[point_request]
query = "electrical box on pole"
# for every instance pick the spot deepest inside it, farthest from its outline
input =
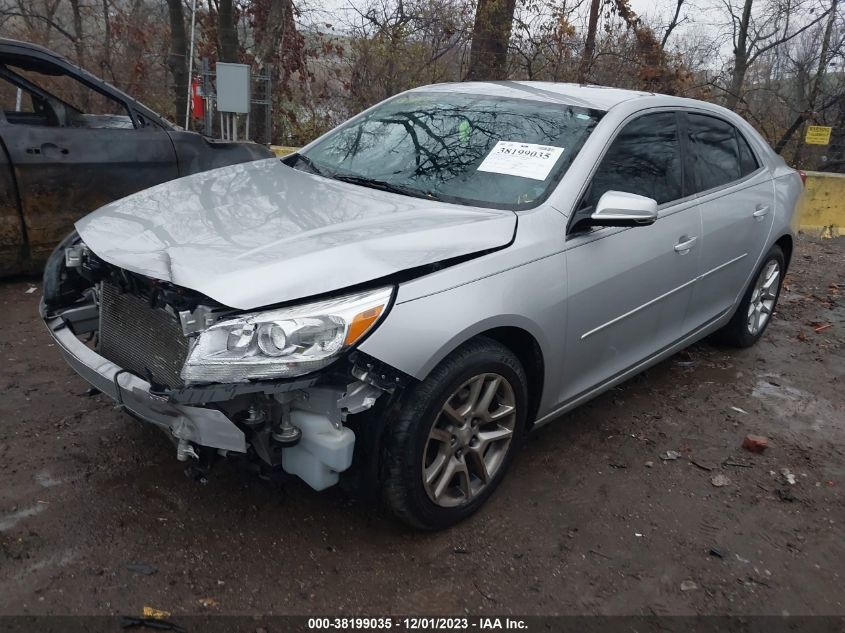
(233, 88)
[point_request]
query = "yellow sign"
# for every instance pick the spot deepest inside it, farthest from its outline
(818, 135)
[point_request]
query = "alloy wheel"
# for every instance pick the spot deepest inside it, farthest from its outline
(763, 297)
(469, 440)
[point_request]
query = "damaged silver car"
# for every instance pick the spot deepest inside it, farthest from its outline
(396, 305)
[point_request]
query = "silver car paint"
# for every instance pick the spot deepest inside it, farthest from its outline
(260, 233)
(601, 306)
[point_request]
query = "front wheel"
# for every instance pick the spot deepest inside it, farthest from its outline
(755, 310)
(456, 435)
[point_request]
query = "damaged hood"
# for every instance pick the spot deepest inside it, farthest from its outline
(260, 233)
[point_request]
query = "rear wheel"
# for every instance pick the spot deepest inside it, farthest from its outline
(456, 436)
(755, 310)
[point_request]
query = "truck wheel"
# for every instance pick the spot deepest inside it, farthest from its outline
(757, 305)
(455, 436)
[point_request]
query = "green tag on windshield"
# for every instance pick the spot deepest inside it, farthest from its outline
(463, 131)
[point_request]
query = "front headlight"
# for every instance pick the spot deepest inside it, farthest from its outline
(285, 342)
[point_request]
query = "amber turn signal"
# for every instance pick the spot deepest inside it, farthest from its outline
(361, 323)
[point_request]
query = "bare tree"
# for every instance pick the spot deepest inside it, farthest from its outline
(754, 34)
(673, 23)
(816, 83)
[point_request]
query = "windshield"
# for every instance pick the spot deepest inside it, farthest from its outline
(468, 149)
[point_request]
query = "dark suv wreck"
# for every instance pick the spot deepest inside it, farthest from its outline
(70, 143)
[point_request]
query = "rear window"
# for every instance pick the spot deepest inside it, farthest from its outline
(747, 162)
(713, 155)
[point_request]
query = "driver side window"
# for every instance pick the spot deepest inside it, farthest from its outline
(645, 159)
(49, 97)
(20, 106)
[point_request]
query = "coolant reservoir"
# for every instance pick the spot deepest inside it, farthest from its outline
(322, 452)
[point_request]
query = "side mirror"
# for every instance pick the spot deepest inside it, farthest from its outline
(618, 208)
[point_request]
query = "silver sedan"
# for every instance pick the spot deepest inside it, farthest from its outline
(397, 304)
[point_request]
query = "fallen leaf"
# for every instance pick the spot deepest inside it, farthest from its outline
(152, 612)
(720, 480)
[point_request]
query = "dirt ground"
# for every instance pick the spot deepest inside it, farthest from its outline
(591, 520)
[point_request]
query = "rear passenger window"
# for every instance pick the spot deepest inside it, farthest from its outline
(713, 152)
(747, 162)
(645, 158)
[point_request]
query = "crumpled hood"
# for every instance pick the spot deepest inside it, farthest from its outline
(260, 233)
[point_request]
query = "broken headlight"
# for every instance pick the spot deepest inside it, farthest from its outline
(286, 342)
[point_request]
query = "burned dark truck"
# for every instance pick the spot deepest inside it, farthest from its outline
(70, 143)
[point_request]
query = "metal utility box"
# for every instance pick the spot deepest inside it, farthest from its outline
(233, 88)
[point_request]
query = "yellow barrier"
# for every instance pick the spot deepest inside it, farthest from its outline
(822, 209)
(281, 150)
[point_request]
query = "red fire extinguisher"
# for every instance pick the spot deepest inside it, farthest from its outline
(197, 102)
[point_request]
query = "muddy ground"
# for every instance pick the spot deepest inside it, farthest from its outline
(590, 520)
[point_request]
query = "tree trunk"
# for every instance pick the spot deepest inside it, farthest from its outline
(490, 37)
(78, 44)
(589, 42)
(740, 58)
(79, 47)
(177, 61)
(105, 59)
(271, 40)
(228, 32)
(836, 154)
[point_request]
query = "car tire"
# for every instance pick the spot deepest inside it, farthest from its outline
(755, 309)
(446, 425)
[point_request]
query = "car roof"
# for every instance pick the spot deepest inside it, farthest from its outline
(583, 95)
(4, 41)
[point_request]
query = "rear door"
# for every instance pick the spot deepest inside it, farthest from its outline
(736, 197)
(629, 288)
(73, 149)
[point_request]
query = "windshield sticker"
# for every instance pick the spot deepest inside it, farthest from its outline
(521, 159)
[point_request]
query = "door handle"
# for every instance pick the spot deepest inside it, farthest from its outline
(761, 212)
(51, 150)
(685, 245)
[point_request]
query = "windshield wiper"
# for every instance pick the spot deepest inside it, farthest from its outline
(383, 185)
(301, 158)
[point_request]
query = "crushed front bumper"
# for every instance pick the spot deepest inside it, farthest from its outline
(206, 427)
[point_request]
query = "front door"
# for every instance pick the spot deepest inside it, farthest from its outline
(629, 288)
(74, 149)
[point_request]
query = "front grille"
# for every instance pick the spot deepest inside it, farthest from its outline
(146, 341)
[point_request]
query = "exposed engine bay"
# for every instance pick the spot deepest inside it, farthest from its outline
(130, 337)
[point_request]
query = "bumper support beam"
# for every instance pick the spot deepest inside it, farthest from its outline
(207, 427)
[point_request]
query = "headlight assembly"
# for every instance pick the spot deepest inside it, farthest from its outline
(286, 342)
